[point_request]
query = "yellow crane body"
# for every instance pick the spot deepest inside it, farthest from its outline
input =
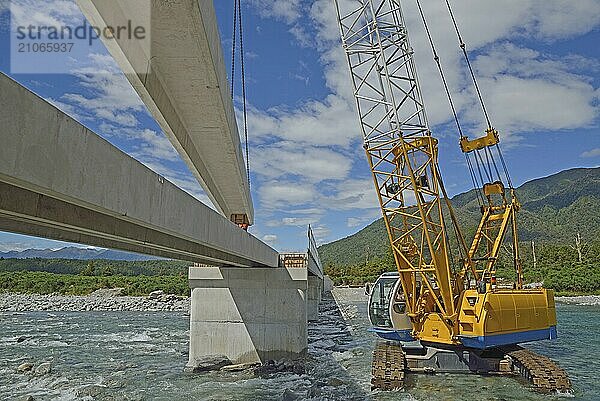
(505, 316)
(496, 318)
(444, 295)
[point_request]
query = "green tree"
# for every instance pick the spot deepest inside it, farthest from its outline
(89, 270)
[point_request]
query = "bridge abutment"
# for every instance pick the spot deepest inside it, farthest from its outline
(247, 314)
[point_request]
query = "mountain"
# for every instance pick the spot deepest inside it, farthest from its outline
(76, 253)
(554, 210)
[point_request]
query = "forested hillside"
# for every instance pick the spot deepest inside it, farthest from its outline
(556, 209)
(100, 267)
(81, 277)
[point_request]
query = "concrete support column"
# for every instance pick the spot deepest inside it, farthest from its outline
(315, 289)
(247, 314)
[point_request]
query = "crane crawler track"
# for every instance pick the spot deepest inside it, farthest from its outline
(388, 367)
(541, 371)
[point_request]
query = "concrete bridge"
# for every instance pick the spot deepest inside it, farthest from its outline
(60, 180)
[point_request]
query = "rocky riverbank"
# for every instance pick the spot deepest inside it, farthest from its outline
(111, 300)
(580, 300)
(101, 300)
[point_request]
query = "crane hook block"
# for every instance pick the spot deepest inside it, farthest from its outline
(490, 139)
(241, 220)
(493, 188)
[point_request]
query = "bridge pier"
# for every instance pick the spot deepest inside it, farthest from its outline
(313, 297)
(247, 314)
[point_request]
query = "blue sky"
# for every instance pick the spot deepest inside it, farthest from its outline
(538, 63)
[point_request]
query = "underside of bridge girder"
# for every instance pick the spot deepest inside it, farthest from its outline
(59, 180)
(180, 76)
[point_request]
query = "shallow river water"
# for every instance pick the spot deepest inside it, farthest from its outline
(140, 356)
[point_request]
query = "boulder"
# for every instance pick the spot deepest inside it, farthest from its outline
(289, 395)
(315, 390)
(43, 369)
(25, 367)
(156, 295)
(170, 298)
(207, 364)
(239, 367)
(107, 292)
(272, 367)
(335, 382)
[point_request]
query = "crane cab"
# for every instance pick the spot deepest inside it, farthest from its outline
(387, 309)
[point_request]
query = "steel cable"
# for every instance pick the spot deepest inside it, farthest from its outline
(237, 22)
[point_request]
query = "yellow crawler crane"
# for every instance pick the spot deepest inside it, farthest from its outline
(438, 312)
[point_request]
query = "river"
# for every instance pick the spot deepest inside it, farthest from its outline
(140, 356)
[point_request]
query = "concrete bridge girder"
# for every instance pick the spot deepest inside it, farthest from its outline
(60, 180)
(182, 81)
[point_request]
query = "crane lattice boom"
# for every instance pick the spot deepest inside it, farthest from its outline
(401, 152)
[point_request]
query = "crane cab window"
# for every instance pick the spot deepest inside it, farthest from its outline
(379, 304)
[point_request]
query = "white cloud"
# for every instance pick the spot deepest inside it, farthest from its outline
(19, 242)
(313, 211)
(298, 221)
(14, 246)
(44, 13)
(591, 153)
(365, 217)
(557, 19)
(66, 108)
(525, 90)
(110, 96)
(295, 221)
(286, 10)
(155, 145)
(321, 233)
(354, 194)
(528, 90)
(515, 19)
(354, 222)
(279, 194)
(524, 105)
(314, 164)
(319, 123)
(270, 239)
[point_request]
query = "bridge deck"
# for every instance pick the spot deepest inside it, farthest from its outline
(60, 180)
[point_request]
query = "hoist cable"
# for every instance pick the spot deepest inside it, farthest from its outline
(488, 165)
(463, 46)
(237, 22)
(479, 170)
(244, 93)
(454, 112)
(480, 199)
(233, 42)
(494, 163)
(439, 65)
(510, 185)
(487, 172)
(476, 84)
